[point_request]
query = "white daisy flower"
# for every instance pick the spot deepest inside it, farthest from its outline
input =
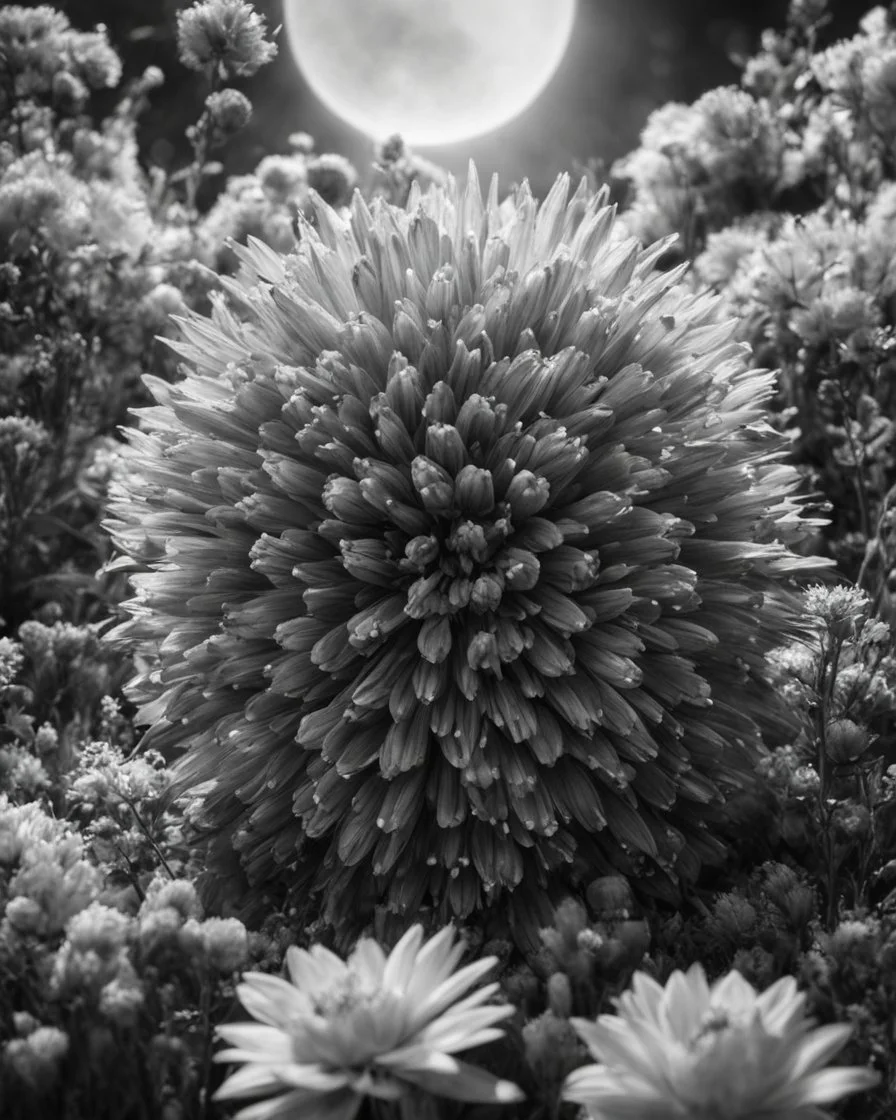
(338, 1030)
(691, 1051)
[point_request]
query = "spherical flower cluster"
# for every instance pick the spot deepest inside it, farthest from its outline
(11, 659)
(688, 1050)
(227, 35)
(229, 110)
(338, 1031)
(333, 177)
(462, 546)
(94, 953)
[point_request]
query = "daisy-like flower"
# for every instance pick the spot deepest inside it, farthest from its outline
(369, 1026)
(459, 550)
(691, 1051)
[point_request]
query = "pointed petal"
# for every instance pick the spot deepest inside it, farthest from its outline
(465, 1082)
(400, 963)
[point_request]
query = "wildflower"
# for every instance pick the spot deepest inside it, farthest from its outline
(691, 1050)
(11, 659)
(845, 741)
(94, 952)
(805, 781)
(550, 1045)
(229, 110)
(226, 943)
(282, 177)
(378, 1026)
(46, 739)
(474, 543)
(333, 177)
(227, 34)
(850, 821)
(37, 1058)
(841, 609)
(120, 1002)
(172, 894)
(559, 994)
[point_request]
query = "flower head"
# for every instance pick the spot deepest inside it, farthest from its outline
(373, 1025)
(229, 110)
(688, 1051)
(462, 544)
(227, 34)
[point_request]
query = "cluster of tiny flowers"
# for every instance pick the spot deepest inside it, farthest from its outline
(47, 877)
(43, 56)
(229, 110)
(696, 161)
(43, 195)
(103, 973)
(170, 924)
(267, 203)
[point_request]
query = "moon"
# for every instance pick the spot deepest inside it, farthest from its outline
(435, 71)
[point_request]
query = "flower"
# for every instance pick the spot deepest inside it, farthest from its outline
(37, 1059)
(458, 552)
(378, 1026)
(229, 110)
(333, 177)
(694, 1052)
(227, 34)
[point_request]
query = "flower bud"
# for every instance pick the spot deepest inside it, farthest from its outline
(226, 942)
(68, 91)
(333, 177)
(527, 494)
(475, 491)
(227, 35)
(229, 110)
(46, 741)
(559, 995)
(804, 781)
(845, 741)
(152, 78)
(852, 822)
(610, 898)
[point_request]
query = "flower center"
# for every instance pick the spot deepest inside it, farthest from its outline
(721, 1067)
(345, 998)
(713, 1023)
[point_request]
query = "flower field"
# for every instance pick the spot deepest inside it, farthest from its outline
(446, 636)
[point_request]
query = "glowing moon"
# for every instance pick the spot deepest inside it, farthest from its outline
(437, 71)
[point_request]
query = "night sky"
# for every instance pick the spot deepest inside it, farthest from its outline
(626, 58)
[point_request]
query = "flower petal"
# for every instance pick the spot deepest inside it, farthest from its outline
(829, 1085)
(464, 1082)
(400, 962)
(269, 1043)
(271, 999)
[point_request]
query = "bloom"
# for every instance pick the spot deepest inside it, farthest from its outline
(371, 1025)
(228, 34)
(458, 551)
(229, 110)
(694, 1052)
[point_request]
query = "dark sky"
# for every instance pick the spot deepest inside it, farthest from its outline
(626, 58)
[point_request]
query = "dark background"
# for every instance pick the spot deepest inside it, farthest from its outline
(626, 58)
